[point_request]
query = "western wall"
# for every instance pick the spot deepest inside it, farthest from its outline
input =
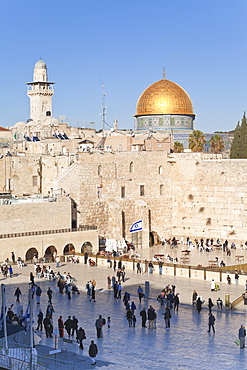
(189, 194)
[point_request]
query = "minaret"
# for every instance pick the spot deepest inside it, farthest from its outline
(40, 92)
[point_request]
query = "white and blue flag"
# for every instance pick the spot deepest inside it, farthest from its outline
(137, 226)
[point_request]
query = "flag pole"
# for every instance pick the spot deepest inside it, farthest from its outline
(31, 328)
(4, 320)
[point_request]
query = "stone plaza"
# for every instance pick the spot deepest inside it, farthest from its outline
(187, 345)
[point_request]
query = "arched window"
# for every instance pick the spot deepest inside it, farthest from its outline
(99, 170)
(160, 170)
(131, 167)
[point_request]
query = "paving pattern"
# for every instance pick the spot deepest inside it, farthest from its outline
(187, 345)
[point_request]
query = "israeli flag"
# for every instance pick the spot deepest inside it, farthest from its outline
(137, 226)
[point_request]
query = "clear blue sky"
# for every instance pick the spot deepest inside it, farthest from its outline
(125, 44)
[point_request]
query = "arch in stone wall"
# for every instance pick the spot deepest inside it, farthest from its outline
(50, 250)
(31, 252)
(87, 247)
(69, 249)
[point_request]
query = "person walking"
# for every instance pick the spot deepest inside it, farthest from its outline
(69, 291)
(49, 293)
(38, 294)
(31, 278)
(140, 293)
(61, 327)
(50, 310)
(10, 271)
(133, 306)
(74, 326)
(242, 335)
(68, 325)
(93, 351)
(211, 321)
(80, 336)
(99, 324)
(210, 305)
(109, 282)
(143, 315)
(40, 321)
(236, 277)
(119, 290)
(176, 302)
(167, 317)
(17, 294)
(13, 257)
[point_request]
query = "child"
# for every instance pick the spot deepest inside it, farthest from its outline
(109, 322)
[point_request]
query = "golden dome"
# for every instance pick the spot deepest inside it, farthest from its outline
(164, 97)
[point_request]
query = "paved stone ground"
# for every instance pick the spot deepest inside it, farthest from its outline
(187, 345)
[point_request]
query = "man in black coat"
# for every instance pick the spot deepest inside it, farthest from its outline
(93, 350)
(48, 326)
(211, 321)
(74, 325)
(68, 325)
(143, 315)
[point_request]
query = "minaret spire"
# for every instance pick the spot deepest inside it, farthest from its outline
(164, 73)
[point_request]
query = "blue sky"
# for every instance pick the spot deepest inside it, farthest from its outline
(125, 44)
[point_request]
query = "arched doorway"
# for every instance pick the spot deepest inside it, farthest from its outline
(31, 253)
(154, 238)
(87, 247)
(69, 249)
(50, 253)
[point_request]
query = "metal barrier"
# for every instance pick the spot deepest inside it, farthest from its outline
(237, 301)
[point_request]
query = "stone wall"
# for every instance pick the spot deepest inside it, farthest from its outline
(16, 218)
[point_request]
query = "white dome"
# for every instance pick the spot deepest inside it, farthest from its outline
(40, 64)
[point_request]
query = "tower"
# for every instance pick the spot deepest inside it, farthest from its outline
(40, 92)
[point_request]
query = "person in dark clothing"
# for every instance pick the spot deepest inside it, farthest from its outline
(74, 325)
(210, 305)
(211, 321)
(93, 350)
(50, 310)
(61, 327)
(199, 305)
(48, 326)
(13, 257)
(140, 293)
(85, 257)
(38, 292)
(49, 293)
(167, 316)
(176, 302)
(129, 316)
(120, 264)
(194, 297)
(80, 336)
(138, 268)
(40, 320)
(242, 335)
(17, 294)
(143, 315)
(114, 265)
(10, 314)
(93, 294)
(31, 278)
(68, 325)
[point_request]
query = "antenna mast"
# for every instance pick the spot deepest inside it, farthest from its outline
(103, 108)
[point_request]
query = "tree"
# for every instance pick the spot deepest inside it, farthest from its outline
(197, 141)
(239, 144)
(216, 144)
(178, 147)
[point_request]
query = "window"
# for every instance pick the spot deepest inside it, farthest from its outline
(122, 191)
(160, 170)
(35, 180)
(119, 147)
(162, 189)
(99, 170)
(141, 190)
(48, 113)
(131, 167)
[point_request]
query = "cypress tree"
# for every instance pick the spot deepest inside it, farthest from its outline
(239, 144)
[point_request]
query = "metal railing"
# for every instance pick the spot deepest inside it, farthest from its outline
(237, 301)
(44, 232)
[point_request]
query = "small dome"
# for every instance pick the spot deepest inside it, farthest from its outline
(40, 64)
(164, 97)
